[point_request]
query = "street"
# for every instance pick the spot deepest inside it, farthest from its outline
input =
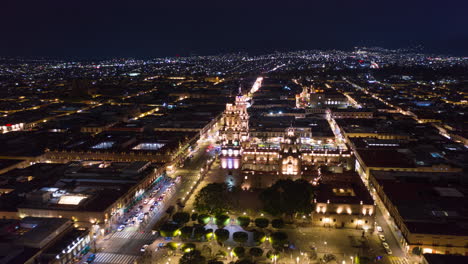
(126, 246)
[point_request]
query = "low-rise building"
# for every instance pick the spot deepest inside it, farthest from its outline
(342, 201)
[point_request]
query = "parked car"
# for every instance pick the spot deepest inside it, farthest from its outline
(389, 251)
(121, 228)
(382, 238)
(385, 245)
(379, 228)
(91, 258)
(143, 248)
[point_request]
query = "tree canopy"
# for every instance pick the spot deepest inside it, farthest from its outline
(256, 252)
(181, 218)
(288, 197)
(279, 238)
(262, 222)
(168, 230)
(259, 236)
(222, 220)
(192, 257)
(213, 198)
(243, 221)
(222, 235)
(239, 252)
(240, 237)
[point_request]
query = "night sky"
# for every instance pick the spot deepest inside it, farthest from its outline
(102, 28)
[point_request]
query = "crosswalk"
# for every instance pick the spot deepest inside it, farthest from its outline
(133, 235)
(114, 258)
(397, 260)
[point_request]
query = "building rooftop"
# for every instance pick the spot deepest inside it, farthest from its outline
(432, 208)
(346, 188)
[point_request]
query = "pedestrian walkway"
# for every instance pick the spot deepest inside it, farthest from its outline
(397, 260)
(114, 258)
(133, 235)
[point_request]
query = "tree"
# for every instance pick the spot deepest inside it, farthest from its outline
(168, 230)
(221, 235)
(181, 218)
(279, 238)
(208, 233)
(288, 197)
(203, 219)
(261, 222)
(187, 247)
(239, 252)
(199, 232)
(194, 217)
(222, 220)
(277, 223)
(186, 232)
(259, 237)
(240, 237)
(192, 257)
(243, 221)
(256, 252)
(213, 198)
(172, 246)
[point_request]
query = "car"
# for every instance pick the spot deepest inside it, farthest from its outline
(151, 208)
(145, 201)
(382, 238)
(121, 228)
(91, 258)
(161, 198)
(161, 245)
(385, 245)
(156, 203)
(146, 213)
(389, 251)
(141, 207)
(143, 248)
(379, 228)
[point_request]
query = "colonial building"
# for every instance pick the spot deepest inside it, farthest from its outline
(234, 131)
(258, 150)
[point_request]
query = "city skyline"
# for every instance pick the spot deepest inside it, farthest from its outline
(160, 29)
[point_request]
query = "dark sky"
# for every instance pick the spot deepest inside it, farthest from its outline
(135, 28)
